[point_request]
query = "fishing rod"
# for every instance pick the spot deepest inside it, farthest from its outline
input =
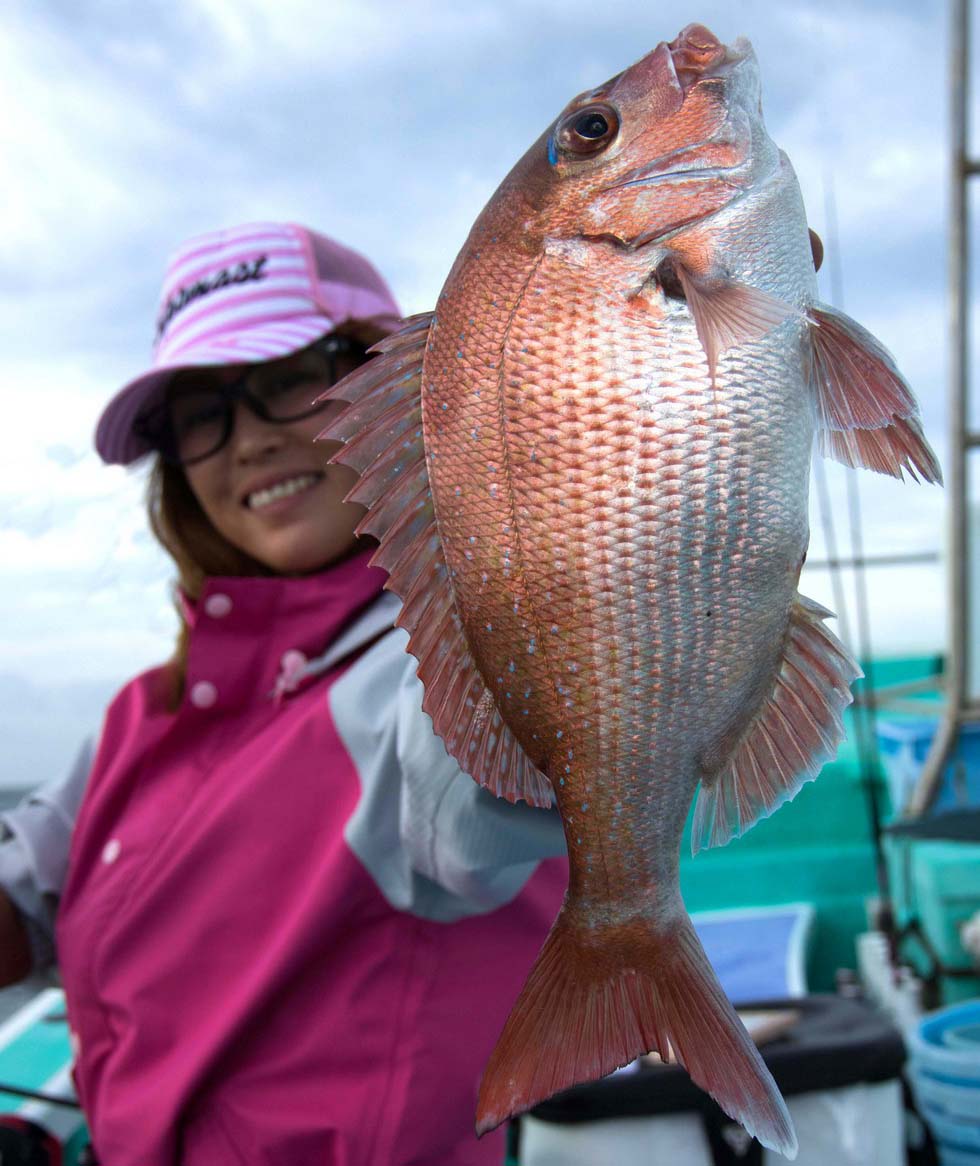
(865, 710)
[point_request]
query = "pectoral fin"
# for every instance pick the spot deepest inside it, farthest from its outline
(867, 414)
(382, 432)
(727, 313)
(797, 730)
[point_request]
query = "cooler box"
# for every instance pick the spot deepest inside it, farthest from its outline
(758, 953)
(903, 743)
(934, 875)
(838, 1067)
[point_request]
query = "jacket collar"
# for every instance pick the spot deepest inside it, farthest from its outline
(286, 630)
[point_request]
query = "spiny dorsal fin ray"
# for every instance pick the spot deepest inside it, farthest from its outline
(386, 506)
(867, 414)
(383, 437)
(797, 730)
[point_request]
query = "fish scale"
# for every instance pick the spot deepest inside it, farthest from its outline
(588, 415)
(597, 529)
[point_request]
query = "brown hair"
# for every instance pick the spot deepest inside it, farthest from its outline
(187, 534)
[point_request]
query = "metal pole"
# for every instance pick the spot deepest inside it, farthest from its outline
(956, 483)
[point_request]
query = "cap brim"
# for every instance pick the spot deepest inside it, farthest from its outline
(116, 441)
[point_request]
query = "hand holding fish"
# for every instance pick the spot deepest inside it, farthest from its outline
(588, 471)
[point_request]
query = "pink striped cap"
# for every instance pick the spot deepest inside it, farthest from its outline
(252, 293)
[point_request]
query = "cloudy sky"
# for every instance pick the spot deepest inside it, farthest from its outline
(125, 128)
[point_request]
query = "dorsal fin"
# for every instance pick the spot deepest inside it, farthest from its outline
(382, 432)
(867, 414)
(797, 730)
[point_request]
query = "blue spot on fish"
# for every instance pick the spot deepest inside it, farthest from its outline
(552, 151)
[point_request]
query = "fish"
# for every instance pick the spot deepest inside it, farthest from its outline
(587, 471)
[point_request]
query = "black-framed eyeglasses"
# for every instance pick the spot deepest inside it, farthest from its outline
(197, 418)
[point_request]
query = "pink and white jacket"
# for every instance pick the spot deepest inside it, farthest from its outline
(291, 928)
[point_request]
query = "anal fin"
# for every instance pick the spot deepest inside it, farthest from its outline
(383, 440)
(796, 731)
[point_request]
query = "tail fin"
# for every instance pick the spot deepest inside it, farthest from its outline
(584, 1012)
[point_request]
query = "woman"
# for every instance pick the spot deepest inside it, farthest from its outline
(291, 928)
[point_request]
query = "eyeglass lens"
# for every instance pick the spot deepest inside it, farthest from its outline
(197, 416)
(201, 418)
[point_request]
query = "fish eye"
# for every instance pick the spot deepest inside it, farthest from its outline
(588, 131)
(591, 126)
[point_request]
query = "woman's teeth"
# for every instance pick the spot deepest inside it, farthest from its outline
(260, 498)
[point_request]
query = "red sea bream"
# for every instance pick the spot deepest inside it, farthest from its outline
(588, 471)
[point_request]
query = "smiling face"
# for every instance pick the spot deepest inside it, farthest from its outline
(269, 490)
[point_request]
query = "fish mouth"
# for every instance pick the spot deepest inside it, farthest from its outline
(695, 57)
(720, 158)
(696, 54)
(661, 171)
